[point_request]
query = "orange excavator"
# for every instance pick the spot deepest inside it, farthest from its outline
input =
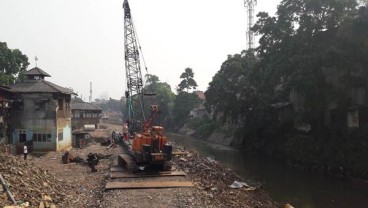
(149, 146)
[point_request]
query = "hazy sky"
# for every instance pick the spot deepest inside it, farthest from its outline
(82, 41)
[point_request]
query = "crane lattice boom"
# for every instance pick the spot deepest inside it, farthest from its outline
(134, 93)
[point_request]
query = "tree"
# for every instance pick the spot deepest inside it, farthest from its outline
(363, 2)
(232, 91)
(12, 65)
(76, 99)
(184, 103)
(161, 95)
(295, 52)
(151, 79)
(187, 80)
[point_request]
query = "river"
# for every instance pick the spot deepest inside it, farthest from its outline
(286, 184)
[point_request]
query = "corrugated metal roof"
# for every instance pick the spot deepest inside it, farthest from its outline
(37, 71)
(84, 106)
(32, 86)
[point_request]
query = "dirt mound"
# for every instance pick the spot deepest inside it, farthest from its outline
(30, 183)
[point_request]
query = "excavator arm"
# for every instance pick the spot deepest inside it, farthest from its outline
(155, 112)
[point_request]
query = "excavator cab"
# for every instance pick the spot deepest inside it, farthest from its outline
(151, 147)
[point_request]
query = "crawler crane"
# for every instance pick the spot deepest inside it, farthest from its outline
(149, 146)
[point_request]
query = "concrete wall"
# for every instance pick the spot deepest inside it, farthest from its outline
(64, 133)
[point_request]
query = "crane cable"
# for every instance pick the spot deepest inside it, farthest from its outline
(139, 45)
(140, 49)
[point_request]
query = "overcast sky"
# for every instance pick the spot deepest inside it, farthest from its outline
(82, 41)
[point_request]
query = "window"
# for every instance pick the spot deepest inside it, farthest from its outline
(22, 136)
(60, 135)
(76, 114)
(67, 104)
(40, 105)
(41, 137)
(18, 105)
(48, 137)
(60, 104)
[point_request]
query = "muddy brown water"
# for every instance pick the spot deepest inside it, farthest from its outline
(285, 184)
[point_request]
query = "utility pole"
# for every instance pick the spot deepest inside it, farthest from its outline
(90, 92)
(250, 4)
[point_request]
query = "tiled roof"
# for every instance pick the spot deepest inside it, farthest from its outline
(84, 106)
(37, 71)
(29, 86)
(6, 89)
(200, 95)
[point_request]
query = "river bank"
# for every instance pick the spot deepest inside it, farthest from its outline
(285, 183)
(345, 159)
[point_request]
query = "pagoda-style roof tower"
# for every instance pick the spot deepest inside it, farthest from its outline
(35, 83)
(36, 74)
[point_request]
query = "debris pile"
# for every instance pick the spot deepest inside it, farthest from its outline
(214, 184)
(29, 184)
(68, 158)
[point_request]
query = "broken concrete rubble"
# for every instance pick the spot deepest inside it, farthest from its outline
(27, 183)
(214, 184)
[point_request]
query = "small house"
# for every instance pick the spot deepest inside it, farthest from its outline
(41, 113)
(85, 114)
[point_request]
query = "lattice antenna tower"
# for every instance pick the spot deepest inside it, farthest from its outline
(250, 4)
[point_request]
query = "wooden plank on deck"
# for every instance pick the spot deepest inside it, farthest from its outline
(117, 169)
(147, 185)
(143, 175)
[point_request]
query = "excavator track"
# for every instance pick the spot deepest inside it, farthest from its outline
(140, 180)
(125, 161)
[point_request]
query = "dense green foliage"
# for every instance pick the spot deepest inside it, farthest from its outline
(203, 126)
(232, 88)
(311, 68)
(184, 102)
(12, 64)
(110, 105)
(313, 49)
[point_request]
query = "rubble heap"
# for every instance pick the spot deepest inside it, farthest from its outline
(30, 183)
(213, 182)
